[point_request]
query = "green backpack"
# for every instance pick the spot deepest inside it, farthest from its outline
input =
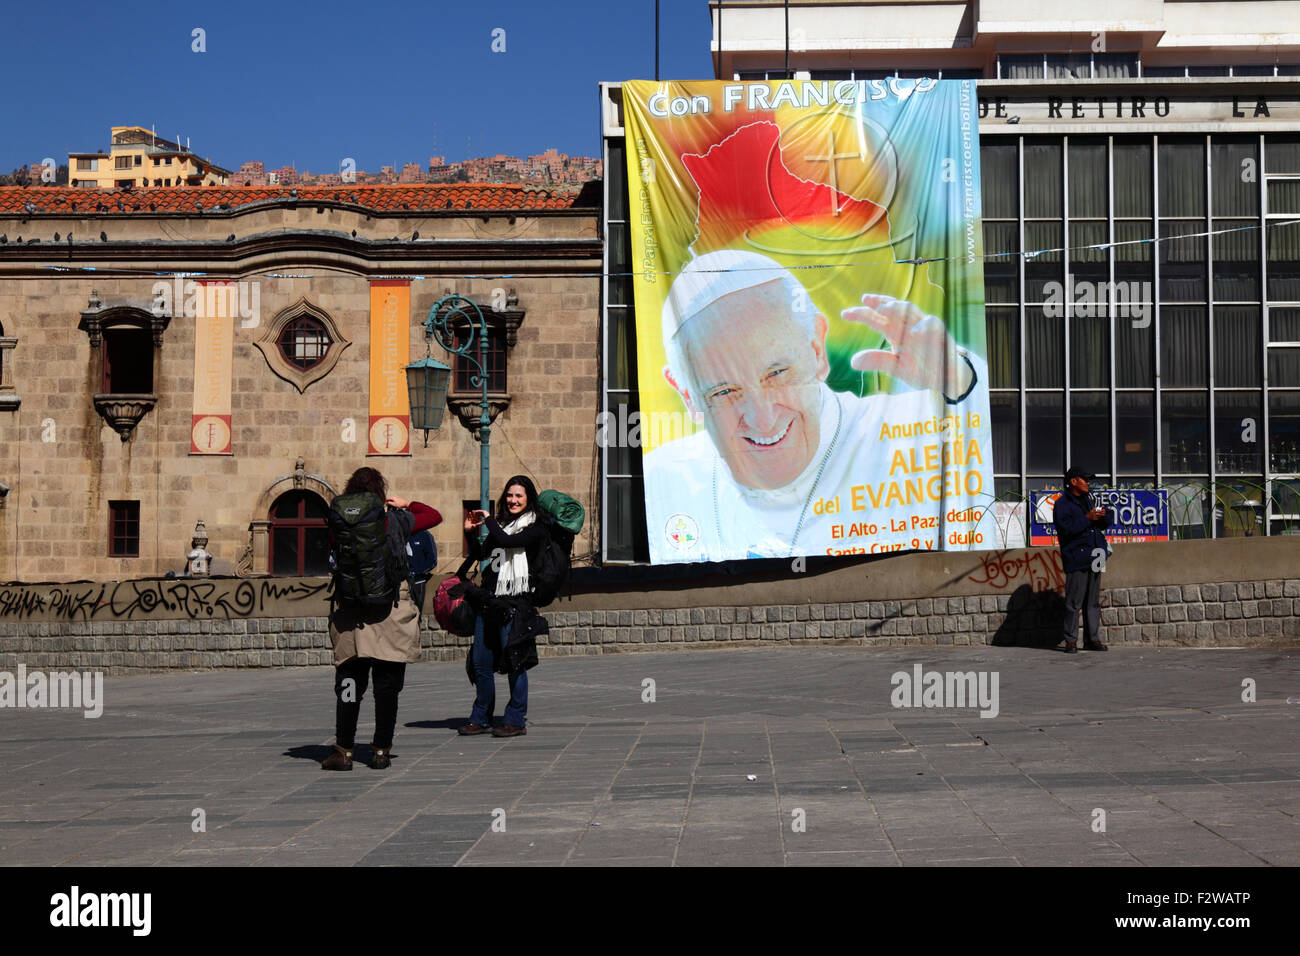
(568, 514)
(364, 570)
(563, 517)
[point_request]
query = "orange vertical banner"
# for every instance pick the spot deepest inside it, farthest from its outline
(390, 353)
(214, 348)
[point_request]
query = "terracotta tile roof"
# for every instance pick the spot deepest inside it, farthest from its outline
(420, 197)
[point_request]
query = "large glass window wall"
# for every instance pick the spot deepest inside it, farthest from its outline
(1173, 362)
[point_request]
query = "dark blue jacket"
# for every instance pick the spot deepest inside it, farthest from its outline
(422, 554)
(1078, 537)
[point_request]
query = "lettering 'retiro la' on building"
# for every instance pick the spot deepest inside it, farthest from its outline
(1102, 126)
(230, 355)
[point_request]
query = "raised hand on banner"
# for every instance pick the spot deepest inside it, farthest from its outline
(922, 354)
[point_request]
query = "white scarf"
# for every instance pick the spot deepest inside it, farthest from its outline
(513, 576)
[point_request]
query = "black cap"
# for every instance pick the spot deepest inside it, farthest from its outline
(1076, 472)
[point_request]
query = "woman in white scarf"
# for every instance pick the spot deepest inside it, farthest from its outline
(512, 545)
(512, 577)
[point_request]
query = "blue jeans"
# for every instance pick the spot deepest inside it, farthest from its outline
(485, 696)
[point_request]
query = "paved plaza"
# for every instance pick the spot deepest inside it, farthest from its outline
(790, 756)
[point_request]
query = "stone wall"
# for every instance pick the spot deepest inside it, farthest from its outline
(1258, 613)
(1008, 598)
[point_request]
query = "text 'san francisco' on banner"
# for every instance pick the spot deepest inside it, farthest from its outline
(214, 345)
(390, 352)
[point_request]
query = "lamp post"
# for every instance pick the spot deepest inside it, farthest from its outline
(427, 380)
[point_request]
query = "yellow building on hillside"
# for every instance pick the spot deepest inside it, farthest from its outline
(138, 159)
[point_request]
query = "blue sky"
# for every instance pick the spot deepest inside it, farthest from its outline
(312, 83)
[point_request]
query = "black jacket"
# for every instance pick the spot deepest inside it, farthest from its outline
(532, 539)
(521, 646)
(1079, 536)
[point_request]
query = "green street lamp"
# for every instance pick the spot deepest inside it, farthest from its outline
(427, 380)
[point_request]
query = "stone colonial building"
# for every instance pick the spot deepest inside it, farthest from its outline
(128, 413)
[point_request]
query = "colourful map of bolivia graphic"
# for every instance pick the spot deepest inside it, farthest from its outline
(746, 191)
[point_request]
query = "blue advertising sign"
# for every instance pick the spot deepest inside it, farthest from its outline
(1139, 514)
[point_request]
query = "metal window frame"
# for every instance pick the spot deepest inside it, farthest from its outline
(126, 520)
(1024, 325)
(1157, 310)
(1110, 299)
(1267, 304)
(1266, 332)
(611, 130)
(1212, 462)
(1067, 327)
(603, 359)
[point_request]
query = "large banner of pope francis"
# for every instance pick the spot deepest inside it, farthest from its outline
(809, 294)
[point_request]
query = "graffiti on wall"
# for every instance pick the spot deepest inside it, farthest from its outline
(162, 599)
(1040, 568)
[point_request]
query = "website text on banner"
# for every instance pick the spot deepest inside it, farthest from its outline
(810, 317)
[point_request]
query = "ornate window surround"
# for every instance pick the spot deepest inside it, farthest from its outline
(297, 529)
(467, 405)
(255, 561)
(9, 397)
(304, 333)
(269, 340)
(122, 411)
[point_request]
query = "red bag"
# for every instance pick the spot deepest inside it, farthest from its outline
(454, 614)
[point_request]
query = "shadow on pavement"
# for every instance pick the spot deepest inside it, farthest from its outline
(316, 752)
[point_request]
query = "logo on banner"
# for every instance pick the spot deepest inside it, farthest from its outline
(210, 435)
(388, 435)
(682, 532)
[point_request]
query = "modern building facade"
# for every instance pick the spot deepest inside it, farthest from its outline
(1141, 208)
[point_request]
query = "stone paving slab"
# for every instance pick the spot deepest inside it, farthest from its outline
(1186, 773)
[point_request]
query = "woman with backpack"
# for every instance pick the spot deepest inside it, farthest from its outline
(514, 542)
(374, 625)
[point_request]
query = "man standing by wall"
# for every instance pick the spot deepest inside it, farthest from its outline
(1079, 530)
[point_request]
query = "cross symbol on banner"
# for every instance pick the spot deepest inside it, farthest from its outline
(831, 157)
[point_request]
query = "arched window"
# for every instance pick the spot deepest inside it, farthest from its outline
(299, 541)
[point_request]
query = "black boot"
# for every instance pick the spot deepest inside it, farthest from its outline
(339, 760)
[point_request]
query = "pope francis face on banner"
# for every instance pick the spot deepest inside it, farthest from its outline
(746, 351)
(749, 371)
